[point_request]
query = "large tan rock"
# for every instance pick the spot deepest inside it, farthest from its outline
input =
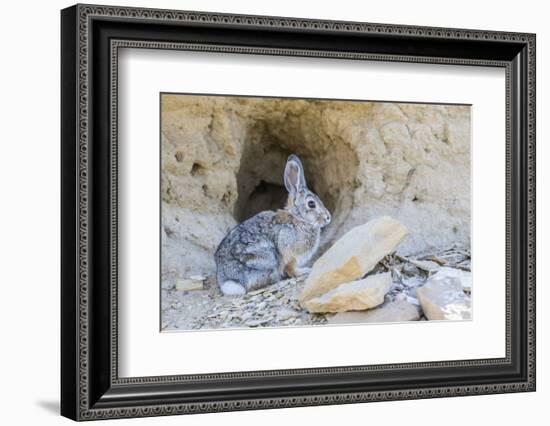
(353, 296)
(397, 311)
(353, 255)
(444, 296)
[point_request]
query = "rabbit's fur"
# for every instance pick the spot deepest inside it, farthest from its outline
(272, 245)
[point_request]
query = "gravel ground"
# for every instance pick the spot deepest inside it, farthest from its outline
(277, 305)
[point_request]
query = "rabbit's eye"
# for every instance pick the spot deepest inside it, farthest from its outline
(311, 204)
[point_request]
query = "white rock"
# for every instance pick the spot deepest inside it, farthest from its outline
(464, 278)
(197, 277)
(353, 255)
(188, 285)
(443, 296)
(353, 296)
(257, 322)
(255, 292)
(286, 313)
(425, 265)
(396, 311)
(246, 316)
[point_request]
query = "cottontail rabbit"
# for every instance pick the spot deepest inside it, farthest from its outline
(271, 245)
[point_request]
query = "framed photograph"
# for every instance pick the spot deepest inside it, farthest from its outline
(263, 212)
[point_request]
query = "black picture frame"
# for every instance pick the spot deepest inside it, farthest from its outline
(90, 386)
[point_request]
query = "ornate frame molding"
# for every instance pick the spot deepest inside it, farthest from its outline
(81, 16)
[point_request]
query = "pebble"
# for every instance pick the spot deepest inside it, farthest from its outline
(425, 265)
(197, 277)
(188, 285)
(286, 314)
(256, 323)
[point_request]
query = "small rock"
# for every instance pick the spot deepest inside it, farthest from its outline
(197, 277)
(464, 278)
(443, 296)
(257, 322)
(353, 255)
(357, 295)
(390, 312)
(255, 292)
(425, 265)
(285, 314)
(188, 285)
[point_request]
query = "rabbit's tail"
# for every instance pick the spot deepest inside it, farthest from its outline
(232, 288)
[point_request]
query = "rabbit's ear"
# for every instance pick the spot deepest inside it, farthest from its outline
(294, 175)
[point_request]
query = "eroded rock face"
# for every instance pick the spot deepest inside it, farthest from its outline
(353, 255)
(397, 311)
(223, 160)
(445, 296)
(352, 296)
